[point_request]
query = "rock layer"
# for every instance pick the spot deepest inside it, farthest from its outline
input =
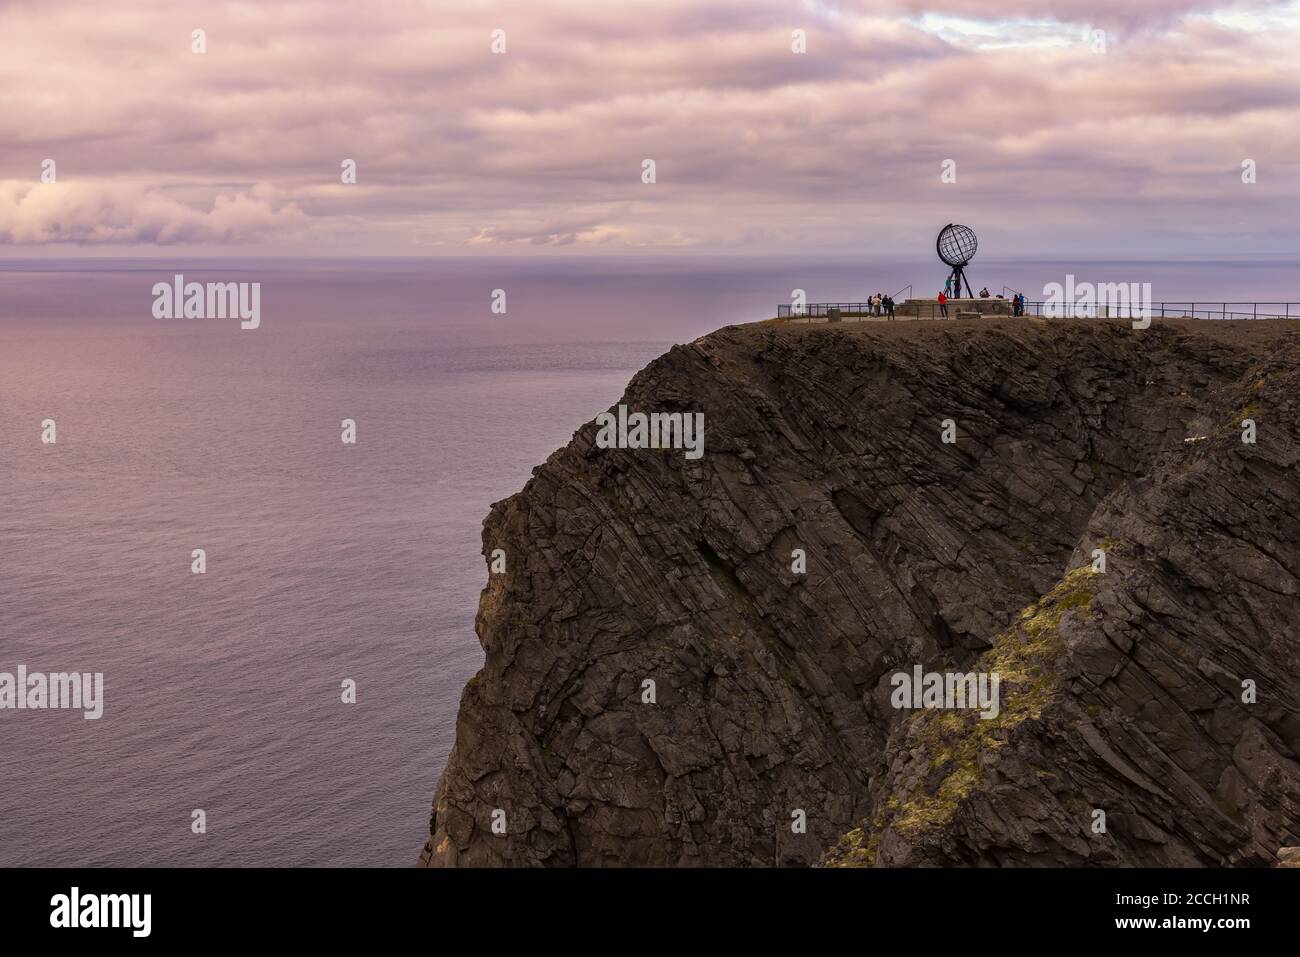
(1124, 687)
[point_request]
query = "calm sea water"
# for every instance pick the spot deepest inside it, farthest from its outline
(324, 561)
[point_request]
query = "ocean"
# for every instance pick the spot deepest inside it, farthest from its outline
(325, 562)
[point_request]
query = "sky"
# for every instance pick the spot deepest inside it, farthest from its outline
(1067, 128)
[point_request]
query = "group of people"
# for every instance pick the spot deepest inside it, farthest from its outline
(1017, 301)
(880, 305)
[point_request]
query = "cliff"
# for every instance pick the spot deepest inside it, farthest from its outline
(1125, 690)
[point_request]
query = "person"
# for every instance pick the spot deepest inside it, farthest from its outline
(889, 306)
(943, 304)
(1018, 301)
(947, 287)
(984, 293)
(875, 305)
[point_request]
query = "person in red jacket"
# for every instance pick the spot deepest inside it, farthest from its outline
(943, 305)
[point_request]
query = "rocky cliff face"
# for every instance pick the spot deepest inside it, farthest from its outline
(1162, 691)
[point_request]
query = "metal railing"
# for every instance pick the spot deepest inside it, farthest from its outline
(1174, 310)
(850, 310)
(1162, 310)
(819, 310)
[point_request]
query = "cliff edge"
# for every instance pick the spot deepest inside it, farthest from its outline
(665, 684)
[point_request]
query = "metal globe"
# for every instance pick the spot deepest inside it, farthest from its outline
(956, 244)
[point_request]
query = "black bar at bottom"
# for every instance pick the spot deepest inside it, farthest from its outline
(582, 908)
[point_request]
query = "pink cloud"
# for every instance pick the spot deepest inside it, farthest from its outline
(755, 146)
(93, 213)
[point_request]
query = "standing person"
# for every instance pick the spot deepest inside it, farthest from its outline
(889, 306)
(943, 304)
(947, 287)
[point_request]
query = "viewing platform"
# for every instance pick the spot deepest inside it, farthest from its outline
(977, 308)
(993, 307)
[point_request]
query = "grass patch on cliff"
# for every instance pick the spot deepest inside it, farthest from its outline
(855, 849)
(952, 743)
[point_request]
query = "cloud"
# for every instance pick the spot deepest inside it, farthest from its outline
(1057, 145)
(96, 213)
(551, 233)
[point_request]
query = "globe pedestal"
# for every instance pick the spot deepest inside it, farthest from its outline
(929, 308)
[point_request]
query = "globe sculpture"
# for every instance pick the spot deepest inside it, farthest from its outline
(956, 246)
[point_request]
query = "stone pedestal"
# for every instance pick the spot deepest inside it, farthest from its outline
(929, 308)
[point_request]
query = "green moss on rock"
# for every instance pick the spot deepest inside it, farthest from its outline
(1025, 657)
